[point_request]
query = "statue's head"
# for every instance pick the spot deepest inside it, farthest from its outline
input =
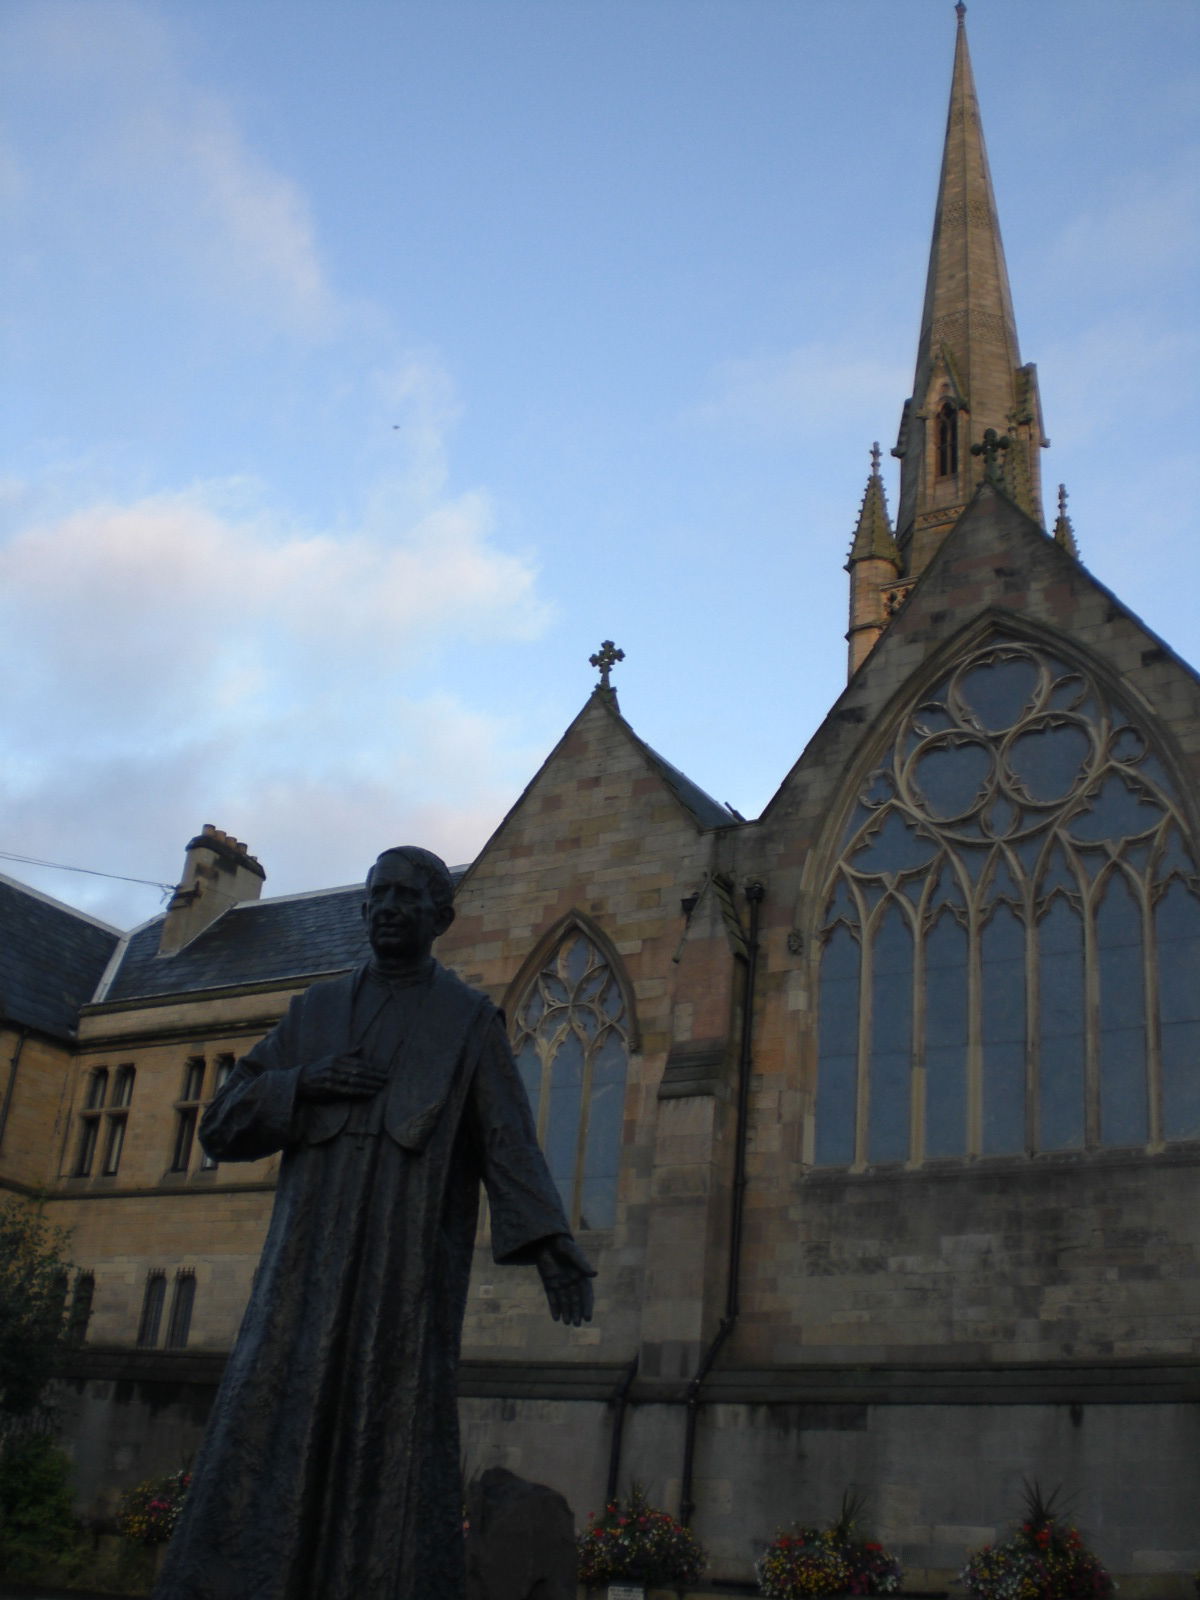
(409, 902)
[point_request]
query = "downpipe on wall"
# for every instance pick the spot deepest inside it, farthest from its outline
(754, 897)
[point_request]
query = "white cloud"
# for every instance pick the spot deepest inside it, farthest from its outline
(820, 387)
(192, 656)
(146, 165)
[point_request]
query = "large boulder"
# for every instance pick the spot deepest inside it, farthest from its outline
(522, 1540)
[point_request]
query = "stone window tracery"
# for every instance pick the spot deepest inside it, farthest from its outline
(1010, 953)
(571, 1041)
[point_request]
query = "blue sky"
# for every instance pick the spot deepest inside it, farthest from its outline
(367, 364)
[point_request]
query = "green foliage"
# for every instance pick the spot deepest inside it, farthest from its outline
(38, 1534)
(33, 1287)
(833, 1560)
(635, 1543)
(1044, 1558)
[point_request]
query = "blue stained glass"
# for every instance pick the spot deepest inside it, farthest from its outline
(1128, 745)
(894, 848)
(556, 989)
(1117, 812)
(858, 817)
(593, 983)
(891, 1041)
(1067, 692)
(575, 961)
(1174, 858)
(562, 1122)
(842, 905)
(1060, 1029)
(1153, 769)
(951, 777)
(530, 1068)
(1123, 1109)
(998, 692)
(1003, 1034)
(837, 1073)
(1049, 761)
(975, 859)
(946, 1039)
(602, 1156)
(1058, 874)
(1001, 817)
(1177, 927)
(531, 1011)
(611, 1002)
(932, 717)
(1003, 884)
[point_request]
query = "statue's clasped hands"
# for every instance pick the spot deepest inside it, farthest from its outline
(344, 1077)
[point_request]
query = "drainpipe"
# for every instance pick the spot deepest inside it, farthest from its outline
(618, 1401)
(13, 1064)
(687, 1505)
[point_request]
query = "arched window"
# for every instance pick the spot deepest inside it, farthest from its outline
(571, 1041)
(947, 439)
(1010, 952)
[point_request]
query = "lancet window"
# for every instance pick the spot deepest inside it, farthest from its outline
(947, 440)
(1010, 950)
(571, 1041)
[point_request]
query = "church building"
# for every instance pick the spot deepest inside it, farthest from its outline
(879, 1115)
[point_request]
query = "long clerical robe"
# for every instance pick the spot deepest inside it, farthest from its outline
(330, 1467)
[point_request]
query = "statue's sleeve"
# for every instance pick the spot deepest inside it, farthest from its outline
(525, 1206)
(254, 1113)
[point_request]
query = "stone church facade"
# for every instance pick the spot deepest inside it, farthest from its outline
(879, 1115)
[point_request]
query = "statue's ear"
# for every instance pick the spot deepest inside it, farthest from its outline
(443, 917)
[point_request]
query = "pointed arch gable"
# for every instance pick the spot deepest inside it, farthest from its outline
(545, 948)
(570, 1026)
(1016, 786)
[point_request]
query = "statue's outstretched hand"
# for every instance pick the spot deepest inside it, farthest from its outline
(345, 1077)
(567, 1279)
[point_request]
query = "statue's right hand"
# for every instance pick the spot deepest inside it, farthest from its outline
(348, 1077)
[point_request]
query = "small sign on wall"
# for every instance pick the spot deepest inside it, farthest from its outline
(626, 1591)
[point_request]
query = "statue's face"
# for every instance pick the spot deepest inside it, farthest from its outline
(401, 915)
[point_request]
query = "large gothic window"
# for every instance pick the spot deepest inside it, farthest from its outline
(1010, 951)
(571, 1041)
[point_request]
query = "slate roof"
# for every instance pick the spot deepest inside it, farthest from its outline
(293, 936)
(51, 959)
(709, 813)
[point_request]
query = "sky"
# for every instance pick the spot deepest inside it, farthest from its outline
(365, 365)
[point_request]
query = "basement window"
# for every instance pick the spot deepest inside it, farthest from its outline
(152, 1308)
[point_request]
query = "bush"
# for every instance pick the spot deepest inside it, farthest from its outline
(149, 1511)
(38, 1533)
(636, 1543)
(831, 1560)
(1044, 1558)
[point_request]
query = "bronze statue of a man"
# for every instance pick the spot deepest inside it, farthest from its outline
(330, 1467)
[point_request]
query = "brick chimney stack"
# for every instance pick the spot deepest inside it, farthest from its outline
(218, 872)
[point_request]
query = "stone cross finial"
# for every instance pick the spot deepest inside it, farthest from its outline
(606, 659)
(875, 459)
(990, 449)
(1062, 499)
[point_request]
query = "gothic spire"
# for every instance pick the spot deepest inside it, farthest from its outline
(873, 537)
(874, 566)
(969, 375)
(1064, 533)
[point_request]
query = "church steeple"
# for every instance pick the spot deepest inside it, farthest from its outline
(969, 375)
(874, 565)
